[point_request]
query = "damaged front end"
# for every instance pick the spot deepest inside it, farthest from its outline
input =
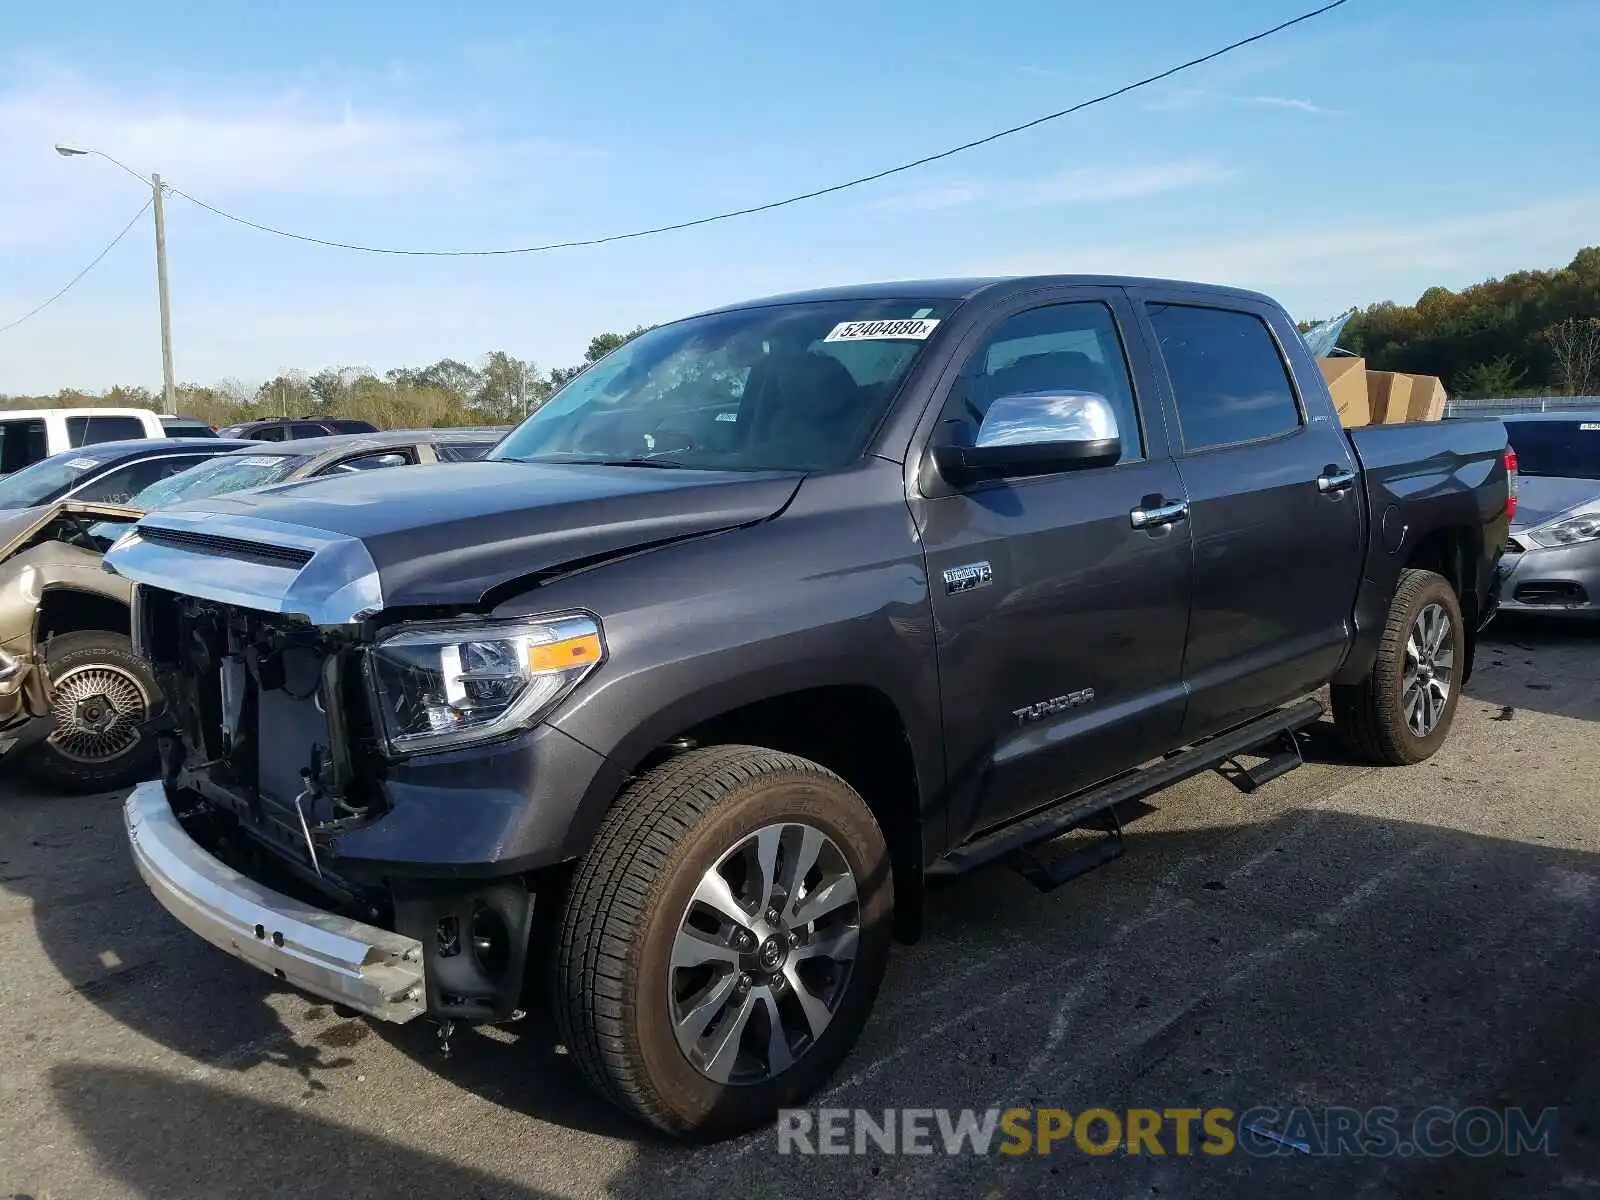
(272, 769)
(24, 702)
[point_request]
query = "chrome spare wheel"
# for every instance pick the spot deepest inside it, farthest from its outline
(1430, 668)
(98, 709)
(763, 954)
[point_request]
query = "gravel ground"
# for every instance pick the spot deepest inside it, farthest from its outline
(1344, 936)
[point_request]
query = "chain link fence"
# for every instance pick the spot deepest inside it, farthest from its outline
(1516, 405)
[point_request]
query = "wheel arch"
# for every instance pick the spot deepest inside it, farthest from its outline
(856, 730)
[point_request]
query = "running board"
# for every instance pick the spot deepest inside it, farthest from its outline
(1011, 840)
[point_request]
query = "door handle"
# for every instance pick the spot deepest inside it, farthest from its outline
(1159, 514)
(1334, 480)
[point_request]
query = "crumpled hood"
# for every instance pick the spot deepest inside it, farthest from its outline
(446, 534)
(1543, 497)
(17, 525)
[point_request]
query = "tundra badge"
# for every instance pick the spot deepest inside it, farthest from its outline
(1046, 708)
(967, 577)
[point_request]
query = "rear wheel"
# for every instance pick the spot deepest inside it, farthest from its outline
(101, 693)
(1402, 711)
(724, 940)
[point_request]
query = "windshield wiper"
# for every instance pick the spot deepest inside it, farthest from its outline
(664, 463)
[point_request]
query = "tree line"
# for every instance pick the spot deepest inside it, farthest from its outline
(1529, 333)
(499, 390)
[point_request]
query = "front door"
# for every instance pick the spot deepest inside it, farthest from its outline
(1274, 508)
(1059, 621)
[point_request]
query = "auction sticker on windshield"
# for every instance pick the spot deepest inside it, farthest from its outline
(914, 328)
(82, 464)
(260, 460)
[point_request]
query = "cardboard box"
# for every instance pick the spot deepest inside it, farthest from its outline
(1347, 380)
(1427, 399)
(1389, 394)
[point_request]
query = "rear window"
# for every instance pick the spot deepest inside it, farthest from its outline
(1561, 449)
(462, 451)
(22, 443)
(218, 476)
(46, 481)
(188, 429)
(90, 431)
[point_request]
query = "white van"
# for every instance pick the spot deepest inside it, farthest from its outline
(30, 434)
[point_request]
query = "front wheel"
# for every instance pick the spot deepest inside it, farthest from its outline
(101, 692)
(724, 940)
(1401, 712)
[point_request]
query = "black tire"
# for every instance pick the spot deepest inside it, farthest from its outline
(613, 981)
(70, 655)
(1372, 716)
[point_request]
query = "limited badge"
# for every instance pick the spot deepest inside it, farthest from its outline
(914, 329)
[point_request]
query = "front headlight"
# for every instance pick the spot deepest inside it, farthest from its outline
(449, 685)
(1584, 527)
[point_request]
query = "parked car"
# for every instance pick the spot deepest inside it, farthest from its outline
(187, 427)
(28, 436)
(109, 471)
(73, 616)
(761, 622)
(1552, 561)
(286, 430)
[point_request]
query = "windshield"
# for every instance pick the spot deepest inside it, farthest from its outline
(215, 476)
(1563, 449)
(47, 480)
(785, 387)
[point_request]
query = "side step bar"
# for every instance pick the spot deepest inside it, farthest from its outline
(1072, 812)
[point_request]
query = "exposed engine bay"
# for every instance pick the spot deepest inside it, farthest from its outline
(268, 751)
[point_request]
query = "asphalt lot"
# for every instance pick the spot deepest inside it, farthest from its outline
(1344, 936)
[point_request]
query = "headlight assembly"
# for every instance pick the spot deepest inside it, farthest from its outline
(1584, 527)
(450, 685)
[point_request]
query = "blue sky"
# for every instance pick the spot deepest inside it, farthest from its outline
(1362, 156)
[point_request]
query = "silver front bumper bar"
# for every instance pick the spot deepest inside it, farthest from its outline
(366, 968)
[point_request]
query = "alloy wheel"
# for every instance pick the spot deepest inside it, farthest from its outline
(763, 954)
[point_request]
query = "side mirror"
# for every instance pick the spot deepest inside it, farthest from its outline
(1035, 433)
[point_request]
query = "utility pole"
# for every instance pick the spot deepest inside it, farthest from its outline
(169, 397)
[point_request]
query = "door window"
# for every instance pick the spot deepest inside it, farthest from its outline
(91, 431)
(307, 429)
(1060, 347)
(121, 485)
(1227, 375)
(22, 443)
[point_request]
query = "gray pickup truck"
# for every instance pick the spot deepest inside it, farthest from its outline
(761, 623)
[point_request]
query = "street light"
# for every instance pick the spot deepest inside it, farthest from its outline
(169, 399)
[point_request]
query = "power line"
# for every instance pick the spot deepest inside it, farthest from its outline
(93, 263)
(770, 205)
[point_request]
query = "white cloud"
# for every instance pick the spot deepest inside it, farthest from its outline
(1088, 185)
(1323, 269)
(1298, 105)
(1187, 99)
(222, 146)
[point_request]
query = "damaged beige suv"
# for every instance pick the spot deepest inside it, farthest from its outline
(71, 687)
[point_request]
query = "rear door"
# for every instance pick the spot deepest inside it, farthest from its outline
(1274, 507)
(1059, 622)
